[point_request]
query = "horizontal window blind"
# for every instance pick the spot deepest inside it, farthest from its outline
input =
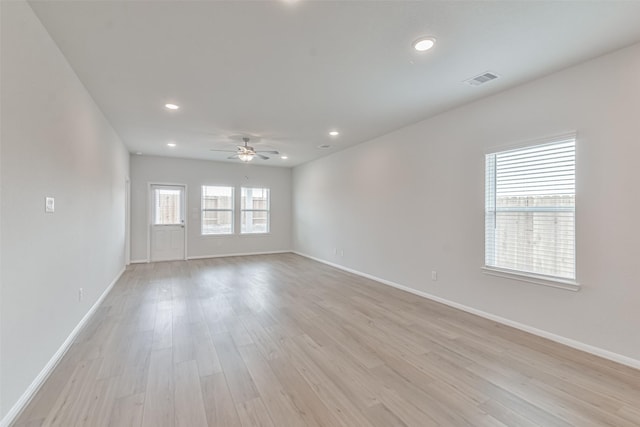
(530, 209)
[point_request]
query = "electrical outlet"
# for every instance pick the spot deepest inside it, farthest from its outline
(434, 275)
(341, 252)
(80, 294)
(335, 251)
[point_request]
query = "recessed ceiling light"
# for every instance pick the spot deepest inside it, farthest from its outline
(171, 144)
(284, 157)
(334, 133)
(424, 43)
(324, 146)
(171, 106)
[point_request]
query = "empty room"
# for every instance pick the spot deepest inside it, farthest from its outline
(319, 213)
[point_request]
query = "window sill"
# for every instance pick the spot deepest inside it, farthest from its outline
(234, 235)
(569, 285)
(217, 235)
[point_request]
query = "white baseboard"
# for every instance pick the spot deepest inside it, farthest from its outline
(239, 254)
(144, 261)
(587, 348)
(33, 388)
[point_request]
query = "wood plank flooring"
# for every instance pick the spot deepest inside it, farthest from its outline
(280, 340)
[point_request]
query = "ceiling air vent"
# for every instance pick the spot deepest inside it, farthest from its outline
(482, 78)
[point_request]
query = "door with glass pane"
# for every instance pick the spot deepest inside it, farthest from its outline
(167, 222)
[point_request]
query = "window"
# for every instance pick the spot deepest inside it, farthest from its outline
(167, 206)
(530, 210)
(255, 210)
(217, 210)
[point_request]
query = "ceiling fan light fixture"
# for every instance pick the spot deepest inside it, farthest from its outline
(245, 157)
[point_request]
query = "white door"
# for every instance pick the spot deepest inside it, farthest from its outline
(167, 222)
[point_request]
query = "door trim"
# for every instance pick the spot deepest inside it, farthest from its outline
(127, 221)
(150, 215)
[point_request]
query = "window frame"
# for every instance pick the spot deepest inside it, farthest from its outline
(523, 275)
(267, 210)
(232, 210)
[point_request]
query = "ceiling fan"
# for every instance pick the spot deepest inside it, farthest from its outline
(247, 153)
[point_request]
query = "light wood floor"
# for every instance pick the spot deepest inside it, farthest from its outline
(280, 340)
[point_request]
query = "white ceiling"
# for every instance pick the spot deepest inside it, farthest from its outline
(290, 71)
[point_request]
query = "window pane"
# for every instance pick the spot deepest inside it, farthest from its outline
(255, 222)
(217, 197)
(540, 242)
(217, 222)
(255, 198)
(167, 207)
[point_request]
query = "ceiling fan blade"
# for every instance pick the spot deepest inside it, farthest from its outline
(223, 151)
(261, 156)
(268, 152)
(235, 156)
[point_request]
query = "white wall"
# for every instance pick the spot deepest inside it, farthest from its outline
(194, 174)
(412, 201)
(55, 142)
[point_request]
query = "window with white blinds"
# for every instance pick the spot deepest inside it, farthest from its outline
(255, 208)
(530, 210)
(217, 210)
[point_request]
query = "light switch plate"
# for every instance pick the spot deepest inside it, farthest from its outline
(49, 204)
